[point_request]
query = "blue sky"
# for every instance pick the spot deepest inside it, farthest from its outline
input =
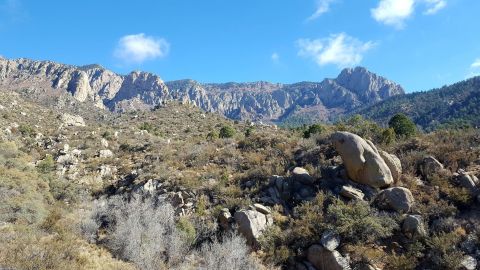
(420, 44)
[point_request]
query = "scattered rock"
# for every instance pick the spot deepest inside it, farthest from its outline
(225, 219)
(469, 263)
(105, 153)
(393, 163)
(262, 209)
(330, 240)
(104, 143)
(467, 181)
(324, 259)
(72, 120)
(413, 226)
(177, 199)
(352, 193)
(362, 160)
(399, 199)
(430, 166)
(301, 175)
(251, 224)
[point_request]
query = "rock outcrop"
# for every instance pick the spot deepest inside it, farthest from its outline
(255, 101)
(362, 160)
(72, 120)
(393, 163)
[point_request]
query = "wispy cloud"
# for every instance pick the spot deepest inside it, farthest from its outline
(323, 6)
(476, 63)
(338, 49)
(396, 12)
(275, 57)
(433, 6)
(12, 11)
(139, 48)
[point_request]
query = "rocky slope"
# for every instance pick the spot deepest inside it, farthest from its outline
(325, 100)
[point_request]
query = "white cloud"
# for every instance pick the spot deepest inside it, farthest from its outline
(393, 12)
(474, 69)
(433, 6)
(139, 48)
(323, 6)
(275, 57)
(339, 49)
(476, 64)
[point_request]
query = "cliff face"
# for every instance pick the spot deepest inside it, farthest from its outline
(353, 88)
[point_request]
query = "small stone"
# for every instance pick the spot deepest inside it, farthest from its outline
(352, 193)
(330, 240)
(301, 175)
(413, 226)
(469, 263)
(262, 209)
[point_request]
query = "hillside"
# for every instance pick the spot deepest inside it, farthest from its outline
(454, 105)
(258, 101)
(82, 189)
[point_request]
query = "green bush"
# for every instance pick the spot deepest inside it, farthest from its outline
(313, 129)
(388, 136)
(358, 222)
(403, 126)
(46, 165)
(226, 132)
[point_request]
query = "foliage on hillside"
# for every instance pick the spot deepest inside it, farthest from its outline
(65, 202)
(457, 105)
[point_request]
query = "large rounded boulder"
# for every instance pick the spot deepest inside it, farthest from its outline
(362, 160)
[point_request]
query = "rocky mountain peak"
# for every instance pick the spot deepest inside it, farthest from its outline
(367, 84)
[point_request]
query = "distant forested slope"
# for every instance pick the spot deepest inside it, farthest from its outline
(454, 105)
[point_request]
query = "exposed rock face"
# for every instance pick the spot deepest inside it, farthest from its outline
(324, 259)
(72, 120)
(362, 160)
(255, 101)
(393, 163)
(252, 224)
(396, 198)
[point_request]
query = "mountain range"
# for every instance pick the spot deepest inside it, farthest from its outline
(354, 88)
(354, 91)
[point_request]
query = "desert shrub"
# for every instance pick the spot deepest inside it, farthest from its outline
(388, 136)
(230, 252)
(26, 130)
(226, 132)
(212, 135)
(401, 262)
(310, 222)
(458, 195)
(443, 252)
(249, 131)
(274, 244)
(46, 165)
(143, 232)
(313, 129)
(403, 126)
(358, 222)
